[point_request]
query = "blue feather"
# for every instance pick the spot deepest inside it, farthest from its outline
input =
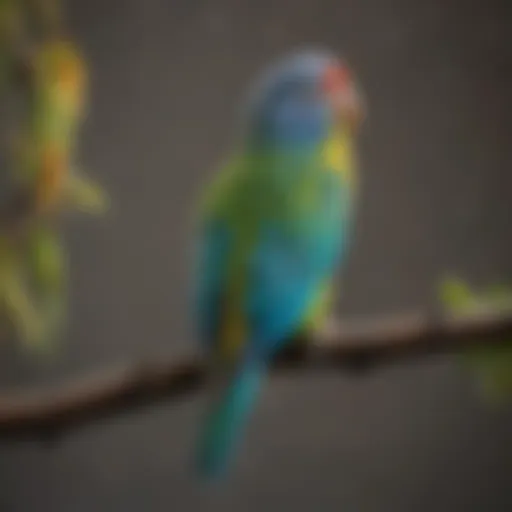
(226, 422)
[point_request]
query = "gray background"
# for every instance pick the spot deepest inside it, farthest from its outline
(167, 78)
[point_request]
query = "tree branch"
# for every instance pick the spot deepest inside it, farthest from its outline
(354, 346)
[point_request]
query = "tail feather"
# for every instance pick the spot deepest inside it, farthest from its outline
(225, 424)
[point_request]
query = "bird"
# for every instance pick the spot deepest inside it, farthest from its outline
(273, 230)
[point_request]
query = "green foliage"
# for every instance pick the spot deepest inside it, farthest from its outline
(15, 297)
(85, 195)
(491, 366)
(49, 75)
(33, 280)
(47, 263)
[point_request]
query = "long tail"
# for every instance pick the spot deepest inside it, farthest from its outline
(225, 424)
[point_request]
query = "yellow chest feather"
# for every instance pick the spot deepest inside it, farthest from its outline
(339, 157)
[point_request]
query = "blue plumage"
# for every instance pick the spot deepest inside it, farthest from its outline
(228, 417)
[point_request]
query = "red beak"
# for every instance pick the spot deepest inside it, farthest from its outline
(342, 93)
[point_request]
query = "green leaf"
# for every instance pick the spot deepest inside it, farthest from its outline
(17, 302)
(49, 271)
(33, 288)
(456, 295)
(493, 371)
(47, 260)
(491, 366)
(86, 195)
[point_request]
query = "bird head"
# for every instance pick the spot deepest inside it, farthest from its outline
(299, 99)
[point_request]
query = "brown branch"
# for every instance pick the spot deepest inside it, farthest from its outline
(48, 414)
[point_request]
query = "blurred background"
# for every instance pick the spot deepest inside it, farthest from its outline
(167, 81)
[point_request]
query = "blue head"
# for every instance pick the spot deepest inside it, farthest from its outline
(298, 101)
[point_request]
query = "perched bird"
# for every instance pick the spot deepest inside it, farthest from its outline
(273, 231)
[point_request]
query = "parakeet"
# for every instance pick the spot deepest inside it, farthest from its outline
(273, 231)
